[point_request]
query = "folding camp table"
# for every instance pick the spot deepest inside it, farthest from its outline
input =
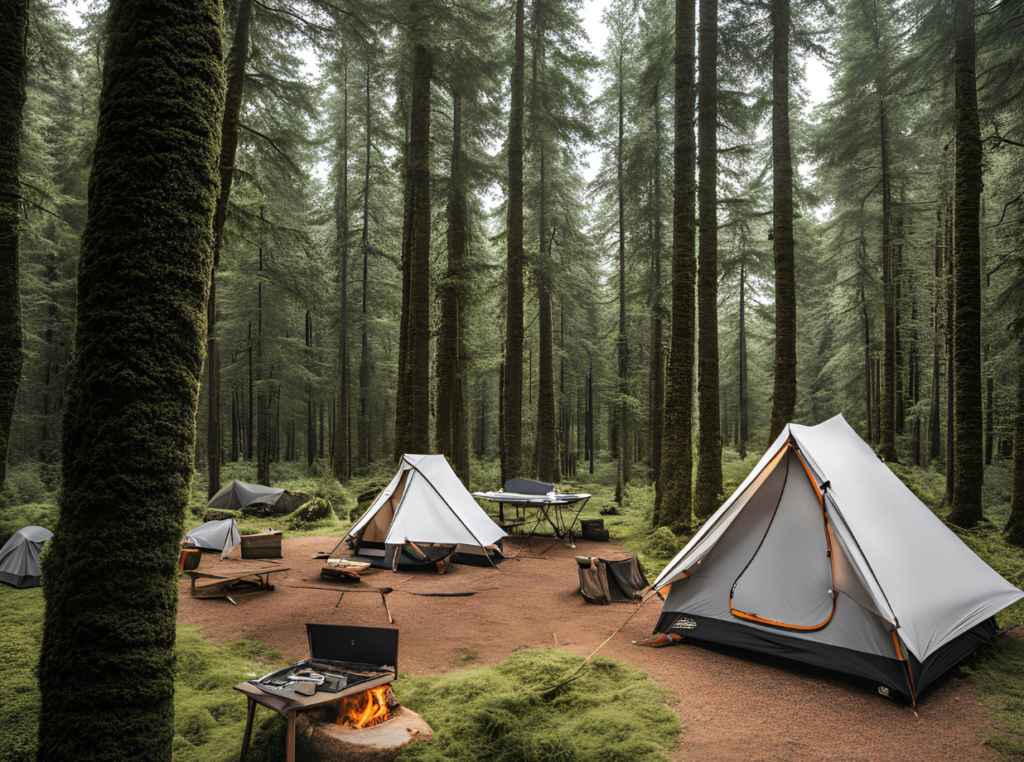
(550, 508)
(234, 579)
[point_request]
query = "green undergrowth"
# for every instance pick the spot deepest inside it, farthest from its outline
(614, 713)
(209, 717)
(999, 673)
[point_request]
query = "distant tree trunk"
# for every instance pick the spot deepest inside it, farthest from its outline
(512, 384)
(590, 417)
(263, 440)
(866, 322)
(341, 465)
(365, 453)
(1015, 525)
(934, 433)
(234, 65)
(657, 306)
(412, 433)
(709, 439)
(310, 425)
(13, 67)
(674, 500)
(968, 456)
(950, 332)
(452, 418)
(887, 414)
(249, 430)
(403, 400)
(147, 248)
(744, 425)
(784, 395)
(622, 414)
(989, 418)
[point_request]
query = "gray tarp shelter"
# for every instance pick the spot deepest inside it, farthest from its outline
(19, 557)
(238, 495)
(423, 516)
(216, 535)
(824, 556)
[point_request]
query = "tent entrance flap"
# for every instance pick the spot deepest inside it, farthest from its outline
(788, 581)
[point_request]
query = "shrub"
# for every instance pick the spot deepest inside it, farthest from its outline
(662, 542)
(219, 514)
(316, 510)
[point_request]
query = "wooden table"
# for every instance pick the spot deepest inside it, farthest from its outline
(234, 579)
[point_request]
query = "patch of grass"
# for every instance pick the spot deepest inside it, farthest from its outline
(1000, 673)
(616, 713)
(209, 717)
(468, 655)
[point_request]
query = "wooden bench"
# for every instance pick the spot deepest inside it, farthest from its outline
(234, 580)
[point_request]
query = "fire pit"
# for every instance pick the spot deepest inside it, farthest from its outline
(368, 727)
(339, 703)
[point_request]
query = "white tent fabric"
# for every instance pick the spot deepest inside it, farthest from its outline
(433, 507)
(19, 557)
(216, 535)
(919, 576)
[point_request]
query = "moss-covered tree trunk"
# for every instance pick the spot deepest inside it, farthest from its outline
(107, 664)
(340, 449)
(512, 374)
(968, 453)
(1015, 524)
(709, 437)
(234, 67)
(451, 417)
(13, 63)
(784, 394)
(674, 501)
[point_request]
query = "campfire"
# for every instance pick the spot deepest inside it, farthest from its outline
(366, 709)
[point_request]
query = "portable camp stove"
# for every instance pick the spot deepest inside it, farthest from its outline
(343, 693)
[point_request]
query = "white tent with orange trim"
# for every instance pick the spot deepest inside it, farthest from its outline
(824, 556)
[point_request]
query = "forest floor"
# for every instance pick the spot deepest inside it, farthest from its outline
(730, 707)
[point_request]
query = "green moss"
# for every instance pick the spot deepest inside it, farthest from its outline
(1000, 673)
(316, 511)
(615, 713)
(662, 542)
(219, 514)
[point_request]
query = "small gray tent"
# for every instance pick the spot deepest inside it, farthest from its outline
(239, 495)
(19, 557)
(823, 556)
(216, 535)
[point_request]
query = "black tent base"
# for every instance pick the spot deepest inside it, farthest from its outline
(20, 582)
(885, 676)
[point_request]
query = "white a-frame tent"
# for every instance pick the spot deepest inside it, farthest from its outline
(423, 516)
(824, 556)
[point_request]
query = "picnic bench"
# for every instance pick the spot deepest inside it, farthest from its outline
(233, 580)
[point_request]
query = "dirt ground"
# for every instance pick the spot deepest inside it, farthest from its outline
(730, 708)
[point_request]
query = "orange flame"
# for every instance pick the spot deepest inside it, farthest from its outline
(365, 709)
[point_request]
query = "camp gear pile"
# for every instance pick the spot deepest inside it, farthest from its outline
(604, 581)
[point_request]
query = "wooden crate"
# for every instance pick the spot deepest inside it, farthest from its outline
(262, 545)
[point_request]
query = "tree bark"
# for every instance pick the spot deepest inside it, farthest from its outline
(673, 503)
(657, 306)
(744, 426)
(968, 455)
(1015, 525)
(622, 414)
(147, 247)
(451, 425)
(365, 451)
(13, 69)
(887, 414)
(234, 65)
(512, 384)
(340, 458)
(934, 433)
(403, 400)
(784, 395)
(709, 439)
